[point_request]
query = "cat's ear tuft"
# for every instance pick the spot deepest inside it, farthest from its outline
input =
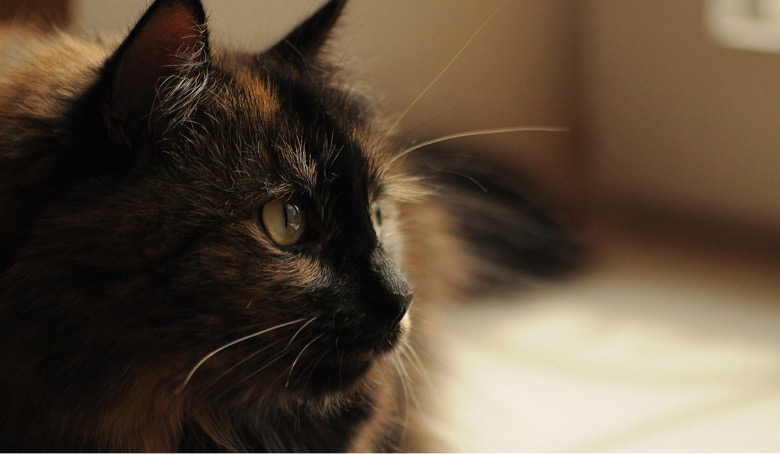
(306, 40)
(169, 38)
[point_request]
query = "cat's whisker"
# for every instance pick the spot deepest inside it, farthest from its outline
(444, 70)
(478, 132)
(357, 32)
(247, 358)
(402, 136)
(313, 367)
(414, 359)
(406, 382)
(398, 366)
(228, 345)
(410, 397)
(408, 378)
(299, 332)
(468, 177)
(299, 357)
(265, 365)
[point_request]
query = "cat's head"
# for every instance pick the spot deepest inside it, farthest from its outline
(226, 220)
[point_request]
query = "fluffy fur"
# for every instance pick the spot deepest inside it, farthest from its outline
(143, 304)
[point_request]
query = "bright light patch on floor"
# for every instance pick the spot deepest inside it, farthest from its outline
(650, 350)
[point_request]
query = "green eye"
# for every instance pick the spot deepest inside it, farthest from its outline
(376, 216)
(285, 222)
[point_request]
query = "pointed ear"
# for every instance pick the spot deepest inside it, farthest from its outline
(171, 35)
(308, 38)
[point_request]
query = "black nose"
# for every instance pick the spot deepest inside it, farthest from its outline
(373, 301)
(387, 292)
(387, 309)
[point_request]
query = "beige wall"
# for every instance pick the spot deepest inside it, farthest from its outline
(41, 13)
(672, 118)
(517, 71)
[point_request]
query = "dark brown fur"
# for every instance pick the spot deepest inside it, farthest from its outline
(132, 255)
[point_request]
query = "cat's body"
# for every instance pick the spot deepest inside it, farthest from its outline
(205, 250)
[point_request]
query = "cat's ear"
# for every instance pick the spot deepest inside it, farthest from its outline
(169, 38)
(309, 37)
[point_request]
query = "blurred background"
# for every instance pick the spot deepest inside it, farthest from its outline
(669, 337)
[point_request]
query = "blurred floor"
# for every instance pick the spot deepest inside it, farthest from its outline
(654, 347)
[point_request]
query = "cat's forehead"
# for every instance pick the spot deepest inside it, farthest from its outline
(296, 131)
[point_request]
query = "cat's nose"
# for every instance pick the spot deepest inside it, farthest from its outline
(388, 291)
(384, 317)
(389, 308)
(375, 302)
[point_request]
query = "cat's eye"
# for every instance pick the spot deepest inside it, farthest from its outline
(376, 216)
(285, 221)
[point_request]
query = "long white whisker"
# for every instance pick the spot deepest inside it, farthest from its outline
(228, 345)
(313, 367)
(408, 378)
(247, 358)
(401, 137)
(479, 132)
(248, 377)
(444, 70)
(299, 332)
(470, 178)
(417, 363)
(405, 380)
(299, 357)
(358, 32)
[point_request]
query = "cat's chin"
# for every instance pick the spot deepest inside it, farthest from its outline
(340, 382)
(343, 372)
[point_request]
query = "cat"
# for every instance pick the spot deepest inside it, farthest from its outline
(205, 250)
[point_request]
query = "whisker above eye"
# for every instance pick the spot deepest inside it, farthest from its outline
(478, 132)
(357, 32)
(230, 344)
(402, 136)
(444, 70)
